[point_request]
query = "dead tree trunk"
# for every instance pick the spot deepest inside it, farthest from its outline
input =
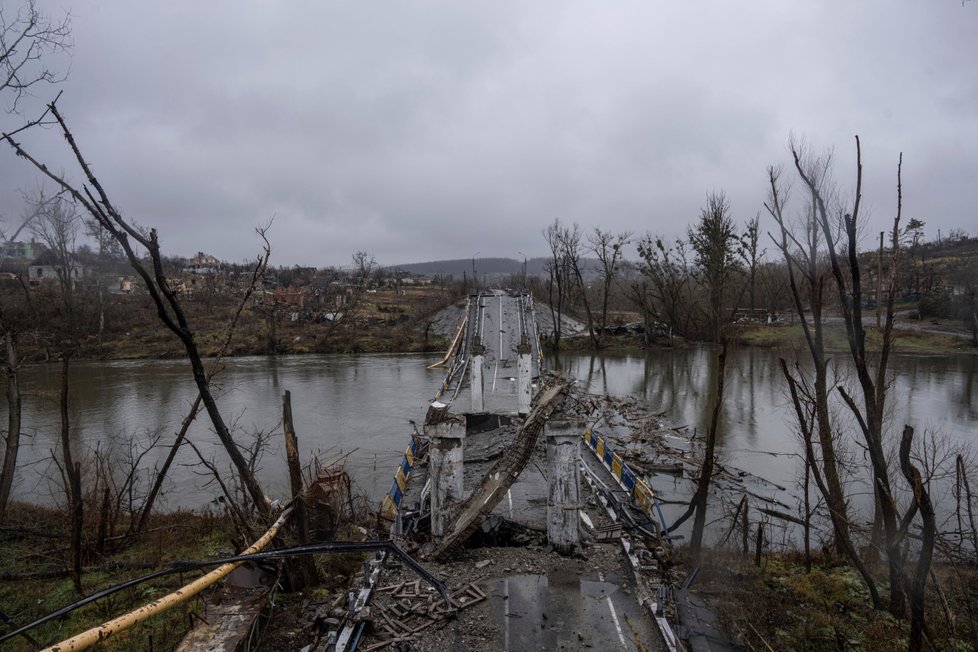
(706, 476)
(256, 275)
(154, 491)
(73, 481)
(929, 530)
(848, 284)
(698, 503)
(848, 548)
(168, 306)
(801, 254)
(307, 574)
(12, 445)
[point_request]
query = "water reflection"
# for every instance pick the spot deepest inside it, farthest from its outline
(347, 402)
(341, 403)
(929, 392)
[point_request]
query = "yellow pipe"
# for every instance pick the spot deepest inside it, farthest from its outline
(98, 634)
(451, 348)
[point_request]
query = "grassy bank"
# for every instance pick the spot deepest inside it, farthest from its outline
(905, 340)
(781, 605)
(34, 580)
(790, 337)
(383, 321)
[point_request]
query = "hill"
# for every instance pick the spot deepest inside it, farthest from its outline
(494, 268)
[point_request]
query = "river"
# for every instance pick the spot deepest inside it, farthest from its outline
(362, 405)
(936, 394)
(359, 405)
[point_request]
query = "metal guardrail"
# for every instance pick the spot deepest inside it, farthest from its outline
(459, 360)
(637, 488)
(392, 501)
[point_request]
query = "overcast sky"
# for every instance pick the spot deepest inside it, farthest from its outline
(427, 130)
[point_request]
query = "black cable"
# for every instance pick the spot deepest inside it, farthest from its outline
(295, 551)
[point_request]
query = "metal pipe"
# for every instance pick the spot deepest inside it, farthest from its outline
(98, 634)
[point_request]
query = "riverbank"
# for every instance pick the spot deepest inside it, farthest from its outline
(906, 339)
(782, 605)
(949, 339)
(413, 320)
(379, 321)
(34, 578)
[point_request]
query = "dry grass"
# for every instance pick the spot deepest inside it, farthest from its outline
(34, 542)
(782, 606)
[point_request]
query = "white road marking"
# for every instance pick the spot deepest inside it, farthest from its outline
(499, 351)
(614, 617)
(509, 494)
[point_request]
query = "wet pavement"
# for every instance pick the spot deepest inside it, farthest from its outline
(564, 610)
(500, 321)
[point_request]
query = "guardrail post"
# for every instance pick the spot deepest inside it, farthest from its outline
(475, 376)
(524, 378)
(446, 433)
(563, 498)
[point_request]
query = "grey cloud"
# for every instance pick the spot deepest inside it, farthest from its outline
(423, 130)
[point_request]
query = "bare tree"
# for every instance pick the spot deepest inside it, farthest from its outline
(571, 244)
(608, 248)
(922, 503)
(638, 290)
(714, 243)
(806, 278)
(835, 226)
(751, 253)
(26, 37)
(96, 201)
(965, 277)
(257, 274)
(364, 265)
(57, 228)
(557, 277)
(668, 272)
(107, 250)
(844, 264)
(12, 326)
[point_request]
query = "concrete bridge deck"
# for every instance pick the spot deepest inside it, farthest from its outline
(497, 323)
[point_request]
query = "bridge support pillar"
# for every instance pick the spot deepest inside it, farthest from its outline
(524, 378)
(563, 498)
(475, 377)
(446, 432)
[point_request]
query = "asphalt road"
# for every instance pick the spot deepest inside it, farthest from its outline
(499, 320)
(564, 610)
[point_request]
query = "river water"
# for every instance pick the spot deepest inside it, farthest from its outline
(936, 394)
(359, 405)
(362, 405)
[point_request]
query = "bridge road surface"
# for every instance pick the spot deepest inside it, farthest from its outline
(500, 321)
(564, 609)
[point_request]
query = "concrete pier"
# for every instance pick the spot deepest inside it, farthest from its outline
(524, 378)
(475, 377)
(564, 491)
(446, 433)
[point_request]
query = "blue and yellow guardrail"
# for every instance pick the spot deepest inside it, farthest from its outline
(392, 501)
(637, 488)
